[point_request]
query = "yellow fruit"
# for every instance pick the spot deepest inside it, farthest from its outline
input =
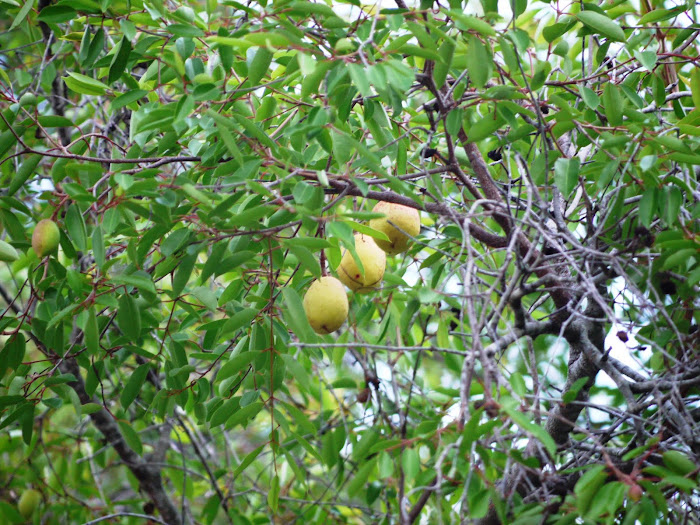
(45, 237)
(28, 501)
(373, 261)
(326, 305)
(399, 221)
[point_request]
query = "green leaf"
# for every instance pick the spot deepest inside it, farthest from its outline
(174, 241)
(554, 31)
(133, 385)
(183, 273)
(295, 316)
(12, 353)
(223, 126)
(129, 317)
(524, 422)
(85, 85)
(243, 415)
(613, 104)
(362, 476)
(236, 364)
(53, 121)
(344, 146)
(76, 227)
(602, 25)
(252, 456)
(259, 66)
(138, 279)
(659, 14)
(359, 78)
(25, 171)
(680, 258)
(479, 63)
(416, 51)
(131, 437)
(95, 49)
(26, 420)
(306, 260)
(121, 57)
(421, 35)
(225, 411)
(19, 17)
(59, 316)
(695, 87)
(588, 485)
(446, 53)
(466, 22)
(566, 173)
(647, 59)
(647, 206)
(92, 333)
(98, 246)
(274, 493)
(57, 14)
(678, 462)
(310, 8)
(185, 31)
(366, 230)
(671, 201)
(590, 98)
(254, 130)
(410, 463)
(517, 382)
(206, 297)
(484, 127)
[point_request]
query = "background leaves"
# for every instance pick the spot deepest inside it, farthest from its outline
(205, 163)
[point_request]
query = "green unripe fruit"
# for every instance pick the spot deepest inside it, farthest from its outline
(373, 261)
(345, 46)
(45, 237)
(27, 100)
(400, 224)
(185, 12)
(28, 502)
(7, 252)
(326, 305)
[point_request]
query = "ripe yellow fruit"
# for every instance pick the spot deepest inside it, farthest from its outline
(373, 261)
(28, 501)
(45, 237)
(400, 220)
(326, 305)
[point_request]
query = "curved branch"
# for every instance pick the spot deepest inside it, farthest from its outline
(149, 477)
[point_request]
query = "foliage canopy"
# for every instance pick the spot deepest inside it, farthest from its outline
(532, 357)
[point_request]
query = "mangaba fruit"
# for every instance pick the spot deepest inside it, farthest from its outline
(45, 237)
(400, 224)
(28, 501)
(8, 252)
(326, 305)
(373, 261)
(28, 100)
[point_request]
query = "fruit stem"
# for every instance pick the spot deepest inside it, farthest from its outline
(322, 260)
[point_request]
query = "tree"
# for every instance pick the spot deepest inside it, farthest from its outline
(531, 358)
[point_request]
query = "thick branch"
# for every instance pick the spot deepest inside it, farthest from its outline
(480, 234)
(149, 477)
(560, 295)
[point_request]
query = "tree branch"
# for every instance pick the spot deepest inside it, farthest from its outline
(149, 477)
